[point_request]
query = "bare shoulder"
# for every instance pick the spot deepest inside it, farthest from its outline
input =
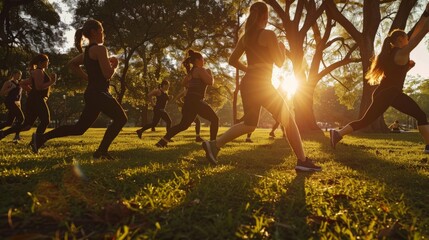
(100, 49)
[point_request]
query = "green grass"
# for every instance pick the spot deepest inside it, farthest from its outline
(372, 186)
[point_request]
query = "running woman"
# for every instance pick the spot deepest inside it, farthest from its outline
(99, 69)
(40, 83)
(12, 91)
(197, 121)
(159, 109)
(196, 81)
(389, 69)
(262, 51)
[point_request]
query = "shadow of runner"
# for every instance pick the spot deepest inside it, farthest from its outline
(292, 212)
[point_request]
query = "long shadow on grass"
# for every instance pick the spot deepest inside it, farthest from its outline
(399, 177)
(240, 198)
(100, 183)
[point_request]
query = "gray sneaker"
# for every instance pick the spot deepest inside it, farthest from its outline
(335, 138)
(307, 166)
(211, 151)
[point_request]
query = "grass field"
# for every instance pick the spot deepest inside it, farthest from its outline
(372, 186)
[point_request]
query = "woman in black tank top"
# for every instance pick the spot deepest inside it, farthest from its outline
(99, 69)
(196, 82)
(36, 106)
(262, 50)
(159, 109)
(12, 91)
(389, 69)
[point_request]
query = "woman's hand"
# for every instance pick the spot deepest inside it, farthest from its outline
(114, 62)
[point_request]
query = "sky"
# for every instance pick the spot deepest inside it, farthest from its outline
(420, 54)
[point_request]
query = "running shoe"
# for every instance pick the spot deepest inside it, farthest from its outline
(161, 143)
(139, 133)
(335, 138)
(307, 166)
(211, 151)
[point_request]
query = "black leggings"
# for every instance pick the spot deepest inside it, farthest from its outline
(192, 107)
(383, 98)
(197, 126)
(95, 103)
(158, 114)
(36, 107)
(14, 113)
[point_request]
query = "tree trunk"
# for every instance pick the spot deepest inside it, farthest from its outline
(303, 107)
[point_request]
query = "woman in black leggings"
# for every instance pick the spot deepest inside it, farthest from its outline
(389, 69)
(180, 101)
(36, 106)
(99, 69)
(12, 91)
(262, 51)
(197, 80)
(159, 109)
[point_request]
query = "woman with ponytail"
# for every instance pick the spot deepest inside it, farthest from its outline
(12, 91)
(196, 81)
(389, 70)
(99, 69)
(40, 83)
(159, 109)
(262, 50)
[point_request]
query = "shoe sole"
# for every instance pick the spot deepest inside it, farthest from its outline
(209, 155)
(306, 169)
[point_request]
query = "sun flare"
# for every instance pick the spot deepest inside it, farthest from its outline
(285, 82)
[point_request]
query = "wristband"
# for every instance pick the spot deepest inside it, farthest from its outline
(425, 14)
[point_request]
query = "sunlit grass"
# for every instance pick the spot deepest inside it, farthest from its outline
(372, 186)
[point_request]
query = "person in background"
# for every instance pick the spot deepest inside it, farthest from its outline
(159, 109)
(99, 69)
(12, 92)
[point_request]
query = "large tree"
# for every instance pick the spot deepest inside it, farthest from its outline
(28, 26)
(313, 50)
(363, 22)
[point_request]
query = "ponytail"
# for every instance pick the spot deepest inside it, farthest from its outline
(85, 31)
(379, 62)
(257, 11)
(78, 39)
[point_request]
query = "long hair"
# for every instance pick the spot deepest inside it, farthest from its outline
(192, 56)
(90, 24)
(12, 74)
(257, 11)
(38, 59)
(379, 62)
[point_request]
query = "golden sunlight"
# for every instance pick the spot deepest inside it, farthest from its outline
(285, 82)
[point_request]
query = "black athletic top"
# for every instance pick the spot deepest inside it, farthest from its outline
(44, 93)
(394, 74)
(14, 94)
(96, 81)
(257, 54)
(197, 88)
(161, 100)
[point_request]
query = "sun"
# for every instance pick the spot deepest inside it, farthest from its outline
(285, 82)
